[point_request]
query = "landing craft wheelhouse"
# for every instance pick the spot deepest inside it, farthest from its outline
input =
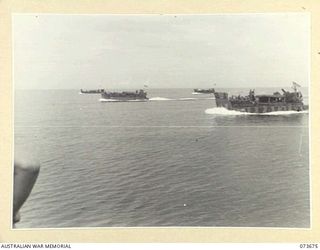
(262, 103)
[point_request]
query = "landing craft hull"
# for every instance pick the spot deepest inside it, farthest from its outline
(94, 91)
(259, 109)
(257, 104)
(203, 91)
(115, 99)
(125, 96)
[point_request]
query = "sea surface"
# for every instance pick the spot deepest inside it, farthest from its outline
(174, 160)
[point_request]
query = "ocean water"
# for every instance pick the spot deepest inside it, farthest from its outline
(175, 160)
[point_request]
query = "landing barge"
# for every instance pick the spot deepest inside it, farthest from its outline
(91, 91)
(263, 103)
(203, 91)
(140, 95)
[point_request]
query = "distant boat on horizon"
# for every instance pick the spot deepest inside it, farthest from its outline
(91, 91)
(139, 95)
(203, 91)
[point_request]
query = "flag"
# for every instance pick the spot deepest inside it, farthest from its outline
(295, 84)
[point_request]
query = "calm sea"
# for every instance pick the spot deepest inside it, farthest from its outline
(172, 161)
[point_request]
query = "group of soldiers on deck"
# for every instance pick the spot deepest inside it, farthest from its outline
(249, 98)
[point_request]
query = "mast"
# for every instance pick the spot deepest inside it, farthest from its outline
(295, 86)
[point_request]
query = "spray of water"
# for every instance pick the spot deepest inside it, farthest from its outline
(179, 99)
(160, 99)
(224, 111)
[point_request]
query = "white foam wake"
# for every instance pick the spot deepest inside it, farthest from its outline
(224, 111)
(137, 100)
(108, 100)
(188, 99)
(118, 100)
(160, 99)
(289, 112)
(178, 99)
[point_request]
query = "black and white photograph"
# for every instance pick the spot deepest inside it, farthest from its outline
(161, 120)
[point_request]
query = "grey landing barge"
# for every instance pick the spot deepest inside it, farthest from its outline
(140, 95)
(262, 103)
(91, 91)
(203, 91)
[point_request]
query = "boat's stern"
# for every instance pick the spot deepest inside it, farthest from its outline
(222, 100)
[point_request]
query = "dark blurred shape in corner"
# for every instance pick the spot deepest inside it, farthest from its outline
(25, 176)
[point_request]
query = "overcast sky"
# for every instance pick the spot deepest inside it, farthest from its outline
(176, 51)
